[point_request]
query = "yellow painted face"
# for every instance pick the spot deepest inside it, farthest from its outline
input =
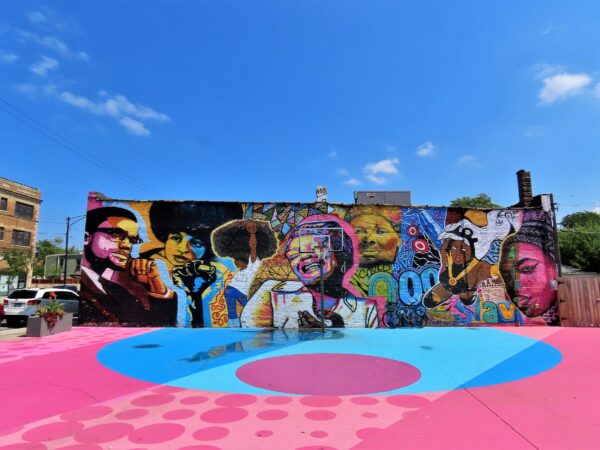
(378, 241)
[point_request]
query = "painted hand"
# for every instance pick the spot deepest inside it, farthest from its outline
(145, 271)
(187, 274)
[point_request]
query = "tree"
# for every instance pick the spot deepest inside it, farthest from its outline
(17, 261)
(47, 247)
(579, 240)
(480, 201)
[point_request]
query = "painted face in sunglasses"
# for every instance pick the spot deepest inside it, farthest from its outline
(113, 240)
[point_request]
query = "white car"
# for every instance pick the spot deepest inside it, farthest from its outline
(22, 303)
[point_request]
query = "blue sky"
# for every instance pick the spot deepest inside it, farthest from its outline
(263, 101)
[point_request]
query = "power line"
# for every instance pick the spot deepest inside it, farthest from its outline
(68, 145)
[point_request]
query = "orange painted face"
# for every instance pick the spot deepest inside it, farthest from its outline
(378, 241)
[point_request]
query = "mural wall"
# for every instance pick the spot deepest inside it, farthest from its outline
(208, 264)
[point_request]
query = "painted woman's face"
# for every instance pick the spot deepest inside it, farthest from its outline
(534, 273)
(305, 262)
(181, 248)
(377, 239)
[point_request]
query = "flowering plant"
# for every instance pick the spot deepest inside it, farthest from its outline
(52, 312)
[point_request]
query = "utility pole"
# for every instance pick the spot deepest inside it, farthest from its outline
(69, 223)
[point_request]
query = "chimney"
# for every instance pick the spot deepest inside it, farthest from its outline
(524, 182)
(321, 192)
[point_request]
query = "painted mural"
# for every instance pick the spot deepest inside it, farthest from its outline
(209, 264)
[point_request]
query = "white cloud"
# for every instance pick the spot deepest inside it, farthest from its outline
(343, 172)
(467, 160)
(533, 131)
(352, 182)
(391, 149)
(36, 17)
(332, 154)
(27, 89)
(387, 166)
(128, 114)
(426, 150)
(134, 126)
(597, 90)
(562, 85)
(8, 57)
(55, 44)
(44, 65)
(375, 179)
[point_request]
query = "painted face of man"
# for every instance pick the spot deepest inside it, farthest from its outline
(305, 260)
(113, 239)
(534, 271)
(181, 248)
(377, 239)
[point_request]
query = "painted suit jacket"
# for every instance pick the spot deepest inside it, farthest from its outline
(277, 303)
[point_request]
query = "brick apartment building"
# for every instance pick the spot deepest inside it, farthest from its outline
(19, 212)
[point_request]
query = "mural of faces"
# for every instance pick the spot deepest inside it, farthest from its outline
(113, 239)
(529, 274)
(378, 241)
(180, 248)
(304, 259)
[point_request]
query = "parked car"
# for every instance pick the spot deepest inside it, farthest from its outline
(22, 303)
(71, 287)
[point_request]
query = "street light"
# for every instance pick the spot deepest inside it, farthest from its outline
(69, 223)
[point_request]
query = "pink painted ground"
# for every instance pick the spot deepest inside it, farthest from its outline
(55, 395)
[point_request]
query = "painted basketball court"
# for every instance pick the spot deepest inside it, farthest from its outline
(122, 388)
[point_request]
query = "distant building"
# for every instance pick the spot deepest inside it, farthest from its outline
(19, 212)
(394, 198)
(54, 266)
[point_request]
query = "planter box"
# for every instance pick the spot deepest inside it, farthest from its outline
(37, 326)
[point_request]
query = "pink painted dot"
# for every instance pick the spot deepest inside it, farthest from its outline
(89, 413)
(319, 434)
(320, 414)
(199, 447)
(153, 400)
(368, 433)
(320, 401)
(224, 415)
(294, 374)
(236, 400)
(156, 433)
(131, 414)
(80, 447)
(263, 433)
(178, 414)
(210, 433)
(369, 415)
(278, 400)
(103, 433)
(52, 431)
(29, 446)
(272, 414)
(364, 400)
(317, 447)
(407, 401)
(194, 400)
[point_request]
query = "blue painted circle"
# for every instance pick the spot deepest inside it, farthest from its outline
(448, 358)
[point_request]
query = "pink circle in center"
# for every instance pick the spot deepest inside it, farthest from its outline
(328, 374)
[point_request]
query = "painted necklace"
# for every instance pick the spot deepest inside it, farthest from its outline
(454, 279)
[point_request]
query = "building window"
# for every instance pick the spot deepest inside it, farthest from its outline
(22, 238)
(23, 210)
(78, 265)
(3, 203)
(1, 233)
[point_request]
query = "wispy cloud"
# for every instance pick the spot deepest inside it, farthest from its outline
(533, 131)
(56, 45)
(36, 17)
(375, 170)
(467, 160)
(134, 126)
(332, 154)
(426, 150)
(352, 182)
(391, 149)
(129, 114)
(343, 172)
(8, 58)
(597, 90)
(44, 65)
(562, 85)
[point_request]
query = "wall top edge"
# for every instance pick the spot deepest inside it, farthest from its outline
(101, 197)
